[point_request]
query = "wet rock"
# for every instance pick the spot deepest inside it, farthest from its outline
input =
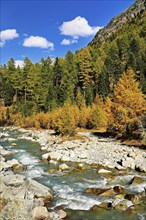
(13, 163)
(19, 168)
(101, 192)
(40, 212)
(135, 198)
(81, 166)
(13, 144)
(107, 193)
(96, 191)
(119, 190)
(11, 139)
(63, 167)
(103, 205)
(104, 171)
(62, 214)
(121, 204)
(137, 180)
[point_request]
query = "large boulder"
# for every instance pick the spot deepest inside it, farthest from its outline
(15, 209)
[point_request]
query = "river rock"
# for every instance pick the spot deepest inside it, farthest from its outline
(129, 163)
(104, 171)
(4, 152)
(137, 180)
(63, 167)
(141, 166)
(62, 214)
(121, 204)
(120, 168)
(11, 139)
(103, 205)
(16, 209)
(13, 144)
(46, 156)
(65, 158)
(97, 191)
(40, 212)
(135, 198)
(107, 193)
(84, 155)
(13, 163)
(18, 187)
(119, 190)
(44, 148)
(53, 162)
(55, 155)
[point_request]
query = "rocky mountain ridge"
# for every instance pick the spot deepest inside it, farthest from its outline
(138, 8)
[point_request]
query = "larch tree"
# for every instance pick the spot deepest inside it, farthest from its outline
(128, 106)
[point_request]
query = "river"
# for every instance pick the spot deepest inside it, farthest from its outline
(69, 186)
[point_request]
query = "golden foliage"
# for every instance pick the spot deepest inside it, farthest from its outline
(97, 117)
(128, 103)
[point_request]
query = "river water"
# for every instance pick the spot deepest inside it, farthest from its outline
(69, 186)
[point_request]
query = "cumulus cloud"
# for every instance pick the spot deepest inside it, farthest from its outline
(68, 41)
(78, 27)
(36, 41)
(8, 34)
(19, 63)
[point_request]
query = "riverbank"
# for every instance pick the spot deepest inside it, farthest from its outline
(83, 190)
(88, 148)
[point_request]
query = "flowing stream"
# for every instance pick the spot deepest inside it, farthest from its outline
(68, 186)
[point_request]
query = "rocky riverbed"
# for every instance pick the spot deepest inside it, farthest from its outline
(103, 175)
(90, 149)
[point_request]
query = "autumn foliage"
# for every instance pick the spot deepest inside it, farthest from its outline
(128, 105)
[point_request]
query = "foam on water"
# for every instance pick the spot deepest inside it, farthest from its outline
(27, 159)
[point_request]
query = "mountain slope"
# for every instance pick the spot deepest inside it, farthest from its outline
(136, 10)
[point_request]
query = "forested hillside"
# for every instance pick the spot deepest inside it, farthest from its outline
(84, 86)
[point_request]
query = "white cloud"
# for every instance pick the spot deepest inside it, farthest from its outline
(68, 41)
(36, 41)
(78, 27)
(8, 34)
(19, 63)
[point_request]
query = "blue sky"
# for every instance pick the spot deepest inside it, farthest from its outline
(38, 28)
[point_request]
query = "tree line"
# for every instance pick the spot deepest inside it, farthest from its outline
(86, 79)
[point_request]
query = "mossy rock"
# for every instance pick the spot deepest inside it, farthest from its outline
(96, 191)
(103, 205)
(135, 199)
(119, 190)
(137, 180)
